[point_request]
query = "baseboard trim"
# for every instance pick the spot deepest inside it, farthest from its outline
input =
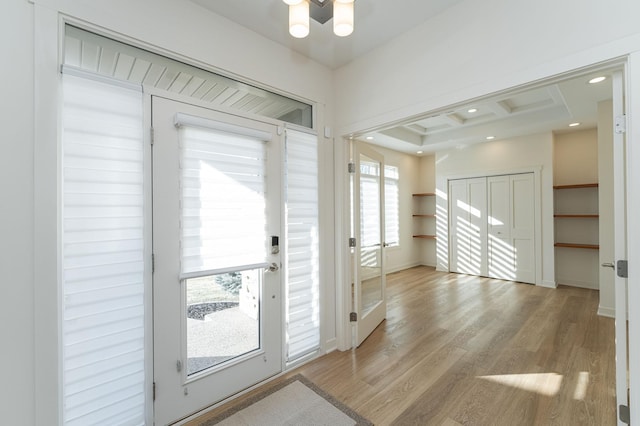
(606, 312)
(403, 267)
(577, 283)
(548, 284)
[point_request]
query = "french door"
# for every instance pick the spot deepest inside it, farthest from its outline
(216, 222)
(370, 282)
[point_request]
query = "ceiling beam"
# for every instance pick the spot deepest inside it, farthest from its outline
(500, 108)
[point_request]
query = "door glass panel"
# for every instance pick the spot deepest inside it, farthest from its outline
(223, 221)
(222, 317)
(370, 235)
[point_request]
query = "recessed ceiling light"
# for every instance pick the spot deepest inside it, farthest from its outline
(472, 110)
(597, 79)
(574, 124)
(489, 138)
(369, 138)
(419, 152)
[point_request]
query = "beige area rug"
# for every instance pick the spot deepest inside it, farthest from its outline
(296, 401)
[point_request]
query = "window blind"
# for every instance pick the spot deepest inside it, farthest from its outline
(103, 246)
(302, 247)
(223, 189)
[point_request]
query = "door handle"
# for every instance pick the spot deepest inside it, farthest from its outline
(272, 268)
(609, 265)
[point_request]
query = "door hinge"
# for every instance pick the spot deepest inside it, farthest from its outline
(620, 125)
(352, 242)
(179, 365)
(624, 415)
(153, 263)
(622, 268)
(153, 135)
(154, 391)
(353, 316)
(351, 167)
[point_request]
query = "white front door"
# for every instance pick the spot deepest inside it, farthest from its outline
(216, 288)
(370, 283)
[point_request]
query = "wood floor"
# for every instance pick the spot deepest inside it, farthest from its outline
(461, 350)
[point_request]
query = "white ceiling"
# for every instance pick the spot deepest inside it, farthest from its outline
(548, 108)
(376, 22)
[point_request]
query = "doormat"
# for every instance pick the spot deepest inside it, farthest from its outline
(296, 401)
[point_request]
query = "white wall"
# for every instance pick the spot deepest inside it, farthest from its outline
(17, 404)
(480, 47)
(189, 32)
(500, 157)
(576, 157)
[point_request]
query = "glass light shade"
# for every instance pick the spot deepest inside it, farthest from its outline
(299, 19)
(292, 2)
(342, 18)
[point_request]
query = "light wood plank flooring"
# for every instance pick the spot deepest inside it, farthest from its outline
(461, 350)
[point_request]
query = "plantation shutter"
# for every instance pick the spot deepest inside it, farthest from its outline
(391, 206)
(369, 204)
(102, 256)
(302, 257)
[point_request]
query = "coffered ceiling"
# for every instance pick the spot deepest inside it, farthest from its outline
(548, 108)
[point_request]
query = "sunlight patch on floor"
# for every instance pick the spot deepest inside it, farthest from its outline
(547, 384)
(581, 387)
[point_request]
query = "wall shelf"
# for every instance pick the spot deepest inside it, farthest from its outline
(423, 229)
(577, 216)
(580, 246)
(576, 186)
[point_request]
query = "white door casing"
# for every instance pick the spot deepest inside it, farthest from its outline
(620, 246)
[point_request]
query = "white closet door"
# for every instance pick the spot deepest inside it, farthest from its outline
(511, 203)
(458, 222)
(522, 226)
(500, 250)
(468, 231)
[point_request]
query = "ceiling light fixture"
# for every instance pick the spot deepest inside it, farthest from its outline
(419, 152)
(472, 110)
(574, 124)
(369, 138)
(321, 11)
(597, 79)
(490, 138)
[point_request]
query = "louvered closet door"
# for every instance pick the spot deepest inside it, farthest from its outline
(217, 304)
